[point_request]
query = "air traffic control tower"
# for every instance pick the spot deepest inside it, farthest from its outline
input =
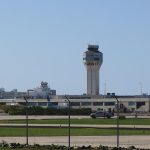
(93, 59)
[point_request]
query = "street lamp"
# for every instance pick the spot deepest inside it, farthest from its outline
(25, 98)
(69, 120)
(114, 96)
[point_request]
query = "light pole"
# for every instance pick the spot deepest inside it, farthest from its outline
(114, 96)
(68, 120)
(27, 126)
(26, 120)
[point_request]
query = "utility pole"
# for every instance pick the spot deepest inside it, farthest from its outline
(114, 96)
(26, 120)
(68, 121)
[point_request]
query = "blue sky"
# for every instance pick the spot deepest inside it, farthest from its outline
(44, 40)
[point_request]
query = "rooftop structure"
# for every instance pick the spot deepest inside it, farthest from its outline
(41, 92)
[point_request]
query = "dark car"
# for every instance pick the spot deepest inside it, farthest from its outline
(102, 114)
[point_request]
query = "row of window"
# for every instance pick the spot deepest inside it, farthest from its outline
(138, 104)
(43, 103)
(94, 103)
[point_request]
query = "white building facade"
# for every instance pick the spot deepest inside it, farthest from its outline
(41, 92)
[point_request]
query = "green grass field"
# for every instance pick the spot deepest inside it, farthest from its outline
(98, 121)
(74, 131)
(64, 132)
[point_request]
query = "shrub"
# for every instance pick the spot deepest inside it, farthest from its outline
(36, 110)
(122, 117)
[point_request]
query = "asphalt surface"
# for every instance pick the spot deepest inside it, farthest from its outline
(132, 127)
(15, 117)
(124, 141)
(12, 117)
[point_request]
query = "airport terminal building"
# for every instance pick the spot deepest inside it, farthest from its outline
(126, 103)
(46, 97)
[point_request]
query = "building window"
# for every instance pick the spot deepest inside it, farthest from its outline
(75, 103)
(54, 103)
(97, 103)
(109, 103)
(121, 106)
(139, 104)
(131, 103)
(86, 103)
(43, 104)
(96, 58)
(32, 104)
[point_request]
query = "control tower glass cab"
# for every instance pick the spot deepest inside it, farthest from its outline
(93, 59)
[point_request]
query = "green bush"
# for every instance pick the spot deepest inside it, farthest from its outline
(14, 110)
(17, 146)
(36, 110)
(122, 117)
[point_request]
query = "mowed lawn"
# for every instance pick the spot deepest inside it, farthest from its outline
(12, 131)
(98, 121)
(64, 132)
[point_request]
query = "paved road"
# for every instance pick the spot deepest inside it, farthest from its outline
(12, 117)
(79, 126)
(125, 141)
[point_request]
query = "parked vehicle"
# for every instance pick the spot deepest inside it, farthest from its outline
(102, 114)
